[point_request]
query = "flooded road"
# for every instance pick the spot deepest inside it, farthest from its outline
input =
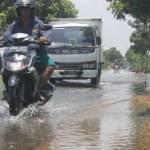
(115, 116)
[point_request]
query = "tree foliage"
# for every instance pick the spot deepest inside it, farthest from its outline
(7, 12)
(139, 9)
(140, 37)
(137, 62)
(45, 9)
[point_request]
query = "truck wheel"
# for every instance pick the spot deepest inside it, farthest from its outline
(95, 81)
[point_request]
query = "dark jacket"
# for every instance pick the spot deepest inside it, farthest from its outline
(35, 28)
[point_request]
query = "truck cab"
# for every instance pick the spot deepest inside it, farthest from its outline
(76, 47)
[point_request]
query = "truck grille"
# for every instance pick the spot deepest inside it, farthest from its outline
(77, 66)
(78, 50)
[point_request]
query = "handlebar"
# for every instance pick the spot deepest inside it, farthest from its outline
(23, 41)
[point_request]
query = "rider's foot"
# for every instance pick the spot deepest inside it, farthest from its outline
(45, 96)
(46, 93)
(51, 86)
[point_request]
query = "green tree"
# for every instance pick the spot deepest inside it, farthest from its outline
(7, 13)
(137, 61)
(140, 39)
(138, 9)
(45, 9)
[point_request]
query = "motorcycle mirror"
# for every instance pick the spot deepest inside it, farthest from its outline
(98, 40)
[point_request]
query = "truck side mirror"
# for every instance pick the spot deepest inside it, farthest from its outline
(98, 40)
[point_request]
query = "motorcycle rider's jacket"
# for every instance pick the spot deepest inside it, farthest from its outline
(35, 28)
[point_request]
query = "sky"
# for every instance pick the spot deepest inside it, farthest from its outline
(116, 33)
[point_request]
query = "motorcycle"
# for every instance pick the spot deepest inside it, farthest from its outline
(116, 68)
(19, 74)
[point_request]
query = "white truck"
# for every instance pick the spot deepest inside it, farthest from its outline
(77, 48)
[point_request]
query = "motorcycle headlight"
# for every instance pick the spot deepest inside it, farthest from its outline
(14, 66)
(15, 62)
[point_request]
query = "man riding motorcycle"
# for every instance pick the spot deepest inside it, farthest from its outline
(116, 66)
(27, 23)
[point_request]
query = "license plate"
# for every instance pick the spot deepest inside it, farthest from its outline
(70, 72)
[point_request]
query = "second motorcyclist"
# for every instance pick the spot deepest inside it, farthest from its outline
(27, 23)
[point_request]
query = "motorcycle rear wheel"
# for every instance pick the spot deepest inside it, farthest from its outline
(15, 103)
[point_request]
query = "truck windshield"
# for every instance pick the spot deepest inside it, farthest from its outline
(74, 36)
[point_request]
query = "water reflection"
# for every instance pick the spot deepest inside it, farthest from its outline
(77, 136)
(143, 135)
(117, 128)
(107, 128)
(139, 88)
(94, 128)
(25, 135)
(141, 106)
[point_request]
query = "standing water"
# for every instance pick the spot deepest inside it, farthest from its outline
(115, 116)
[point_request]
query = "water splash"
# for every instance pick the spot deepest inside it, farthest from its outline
(4, 112)
(31, 111)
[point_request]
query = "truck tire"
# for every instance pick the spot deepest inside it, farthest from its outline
(95, 81)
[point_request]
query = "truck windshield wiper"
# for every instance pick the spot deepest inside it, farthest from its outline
(70, 45)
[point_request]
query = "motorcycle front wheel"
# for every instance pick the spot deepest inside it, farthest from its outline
(15, 103)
